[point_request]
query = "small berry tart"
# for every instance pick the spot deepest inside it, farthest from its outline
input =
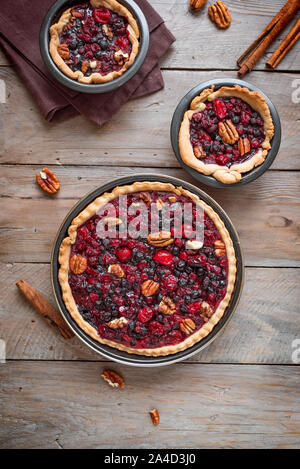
(226, 133)
(154, 294)
(95, 42)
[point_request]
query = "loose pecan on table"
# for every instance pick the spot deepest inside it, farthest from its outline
(228, 132)
(113, 379)
(166, 306)
(244, 146)
(149, 287)
(187, 326)
(154, 416)
(219, 14)
(48, 181)
(220, 249)
(160, 239)
(78, 264)
(197, 4)
(116, 270)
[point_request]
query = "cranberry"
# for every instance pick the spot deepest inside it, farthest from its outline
(245, 117)
(204, 136)
(170, 283)
(155, 328)
(163, 257)
(220, 108)
(124, 254)
(174, 337)
(255, 143)
(94, 297)
(102, 15)
(194, 307)
(145, 314)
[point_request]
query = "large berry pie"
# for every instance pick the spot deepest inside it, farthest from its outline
(153, 294)
(226, 132)
(95, 42)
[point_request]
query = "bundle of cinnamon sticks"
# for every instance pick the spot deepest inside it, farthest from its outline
(255, 51)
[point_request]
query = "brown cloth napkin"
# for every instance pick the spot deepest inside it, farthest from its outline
(20, 23)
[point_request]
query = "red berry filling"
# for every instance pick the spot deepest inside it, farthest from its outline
(184, 276)
(204, 130)
(93, 37)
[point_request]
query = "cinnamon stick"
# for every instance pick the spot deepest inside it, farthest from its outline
(285, 46)
(49, 313)
(255, 51)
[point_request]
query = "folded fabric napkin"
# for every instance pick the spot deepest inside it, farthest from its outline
(20, 23)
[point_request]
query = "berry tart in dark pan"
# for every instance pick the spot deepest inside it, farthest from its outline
(95, 42)
(152, 296)
(226, 132)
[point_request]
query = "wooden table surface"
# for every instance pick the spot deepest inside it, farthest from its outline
(243, 390)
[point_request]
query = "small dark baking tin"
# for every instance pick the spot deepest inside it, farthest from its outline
(115, 354)
(184, 106)
(53, 16)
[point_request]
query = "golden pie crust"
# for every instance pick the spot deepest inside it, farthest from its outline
(223, 173)
(96, 78)
(89, 211)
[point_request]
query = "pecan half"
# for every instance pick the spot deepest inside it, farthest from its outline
(78, 264)
(228, 132)
(120, 57)
(116, 270)
(63, 50)
(166, 306)
(145, 196)
(187, 326)
(107, 31)
(85, 66)
(160, 239)
(197, 4)
(76, 14)
(244, 146)
(220, 249)
(193, 244)
(206, 311)
(149, 287)
(154, 416)
(112, 221)
(113, 379)
(199, 152)
(118, 323)
(48, 181)
(219, 14)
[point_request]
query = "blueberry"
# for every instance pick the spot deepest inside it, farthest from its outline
(106, 316)
(256, 132)
(108, 301)
(123, 283)
(183, 309)
(191, 281)
(73, 44)
(182, 282)
(218, 138)
(176, 251)
(195, 295)
(216, 147)
(180, 265)
(188, 298)
(176, 272)
(188, 270)
(103, 44)
(200, 271)
(252, 121)
(222, 283)
(236, 119)
(90, 288)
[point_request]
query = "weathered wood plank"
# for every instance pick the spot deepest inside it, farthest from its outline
(262, 329)
(138, 135)
(210, 48)
(67, 405)
(265, 212)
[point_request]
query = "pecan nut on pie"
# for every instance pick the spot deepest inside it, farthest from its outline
(226, 132)
(149, 295)
(95, 42)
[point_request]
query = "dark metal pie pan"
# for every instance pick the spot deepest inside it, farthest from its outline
(184, 105)
(110, 352)
(52, 17)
